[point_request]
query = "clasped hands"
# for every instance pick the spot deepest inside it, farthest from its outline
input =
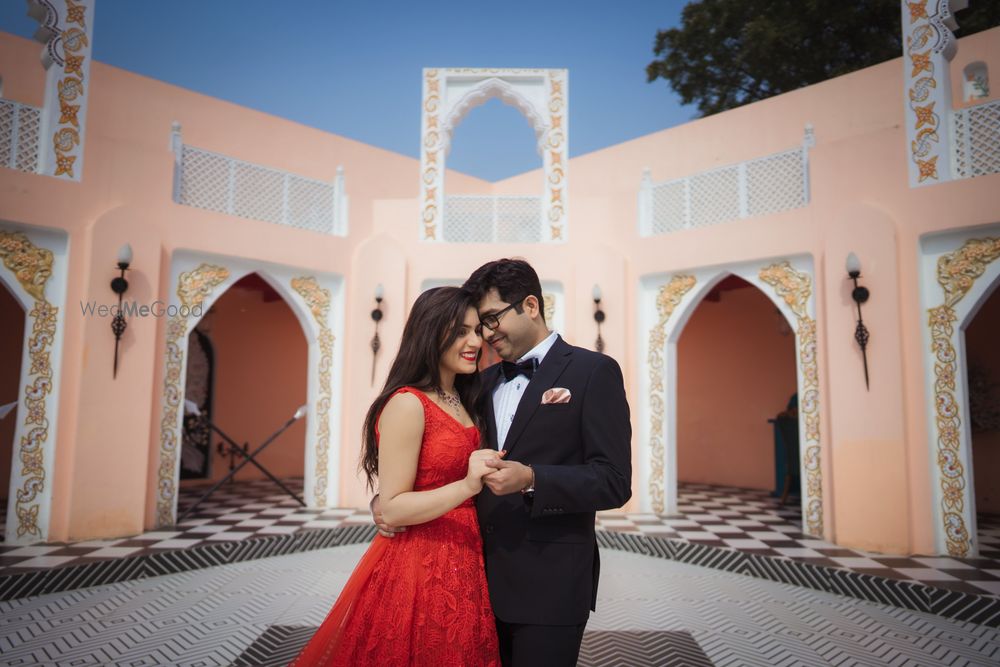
(488, 468)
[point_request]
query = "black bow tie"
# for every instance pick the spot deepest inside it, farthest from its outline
(512, 370)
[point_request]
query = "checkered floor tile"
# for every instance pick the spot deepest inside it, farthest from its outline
(746, 520)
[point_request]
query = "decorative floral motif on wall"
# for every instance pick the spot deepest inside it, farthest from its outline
(430, 176)
(929, 45)
(63, 26)
(668, 298)
(32, 267)
(318, 299)
(795, 288)
(957, 273)
(555, 156)
(193, 287)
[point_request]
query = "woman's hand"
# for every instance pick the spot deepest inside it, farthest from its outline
(478, 468)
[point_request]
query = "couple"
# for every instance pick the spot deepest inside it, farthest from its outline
(488, 485)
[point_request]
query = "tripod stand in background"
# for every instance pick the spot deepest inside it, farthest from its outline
(191, 408)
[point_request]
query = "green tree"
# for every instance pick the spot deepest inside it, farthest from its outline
(727, 53)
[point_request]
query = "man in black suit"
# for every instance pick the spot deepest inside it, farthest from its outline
(561, 414)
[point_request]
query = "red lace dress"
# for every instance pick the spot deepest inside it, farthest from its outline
(419, 598)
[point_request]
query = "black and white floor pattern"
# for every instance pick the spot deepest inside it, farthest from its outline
(651, 611)
(748, 521)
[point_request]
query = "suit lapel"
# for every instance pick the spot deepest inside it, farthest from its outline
(544, 378)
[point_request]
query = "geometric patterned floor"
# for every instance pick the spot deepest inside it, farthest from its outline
(746, 520)
(650, 611)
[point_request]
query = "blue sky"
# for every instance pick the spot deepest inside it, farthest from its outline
(353, 68)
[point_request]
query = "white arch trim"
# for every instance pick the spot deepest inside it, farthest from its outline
(958, 272)
(33, 266)
(484, 91)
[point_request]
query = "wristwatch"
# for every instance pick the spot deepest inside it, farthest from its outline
(530, 489)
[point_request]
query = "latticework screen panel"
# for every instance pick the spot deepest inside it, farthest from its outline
(475, 219)
(257, 193)
(310, 205)
(756, 187)
(669, 211)
(19, 135)
(226, 185)
(977, 140)
(714, 197)
(775, 183)
(205, 179)
(518, 219)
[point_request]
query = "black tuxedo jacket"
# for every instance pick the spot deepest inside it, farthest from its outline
(541, 554)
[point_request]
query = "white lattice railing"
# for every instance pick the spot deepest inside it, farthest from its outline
(756, 187)
(19, 134)
(976, 140)
(492, 219)
(208, 180)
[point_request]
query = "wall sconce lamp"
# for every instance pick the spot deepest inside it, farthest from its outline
(376, 343)
(598, 317)
(119, 286)
(860, 295)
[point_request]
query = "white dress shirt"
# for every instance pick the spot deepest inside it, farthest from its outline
(507, 395)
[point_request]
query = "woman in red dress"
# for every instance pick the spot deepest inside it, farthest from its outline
(420, 598)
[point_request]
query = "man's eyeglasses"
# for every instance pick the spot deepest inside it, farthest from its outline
(492, 321)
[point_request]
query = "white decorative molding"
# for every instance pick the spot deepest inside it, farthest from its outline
(223, 184)
(198, 280)
(34, 268)
(66, 28)
(762, 186)
(506, 93)
(448, 96)
(928, 47)
(959, 270)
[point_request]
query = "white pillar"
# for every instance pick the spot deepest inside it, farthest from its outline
(66, 28)
(928, 47)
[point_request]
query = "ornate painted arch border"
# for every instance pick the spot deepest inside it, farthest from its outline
(958, 275)
(32, 267)
(790, 286)
(196, 288)
(549, 116)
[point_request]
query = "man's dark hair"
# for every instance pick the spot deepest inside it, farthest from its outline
(514, 279)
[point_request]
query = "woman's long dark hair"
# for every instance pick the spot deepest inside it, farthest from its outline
(432, 327)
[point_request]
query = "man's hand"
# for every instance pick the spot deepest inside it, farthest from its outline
(509, 477)
(384, 529)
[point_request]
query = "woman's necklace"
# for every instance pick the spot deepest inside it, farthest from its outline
(451, 400)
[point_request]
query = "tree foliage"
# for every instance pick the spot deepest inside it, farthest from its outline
(727, 53)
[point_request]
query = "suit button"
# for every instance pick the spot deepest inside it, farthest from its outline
(489, 529)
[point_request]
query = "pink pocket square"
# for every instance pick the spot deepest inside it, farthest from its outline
(556, 395)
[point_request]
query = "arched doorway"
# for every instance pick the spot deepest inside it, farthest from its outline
(735, 371)
(982, 359)
(11, 351)
(247, 371)
(667, 303)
